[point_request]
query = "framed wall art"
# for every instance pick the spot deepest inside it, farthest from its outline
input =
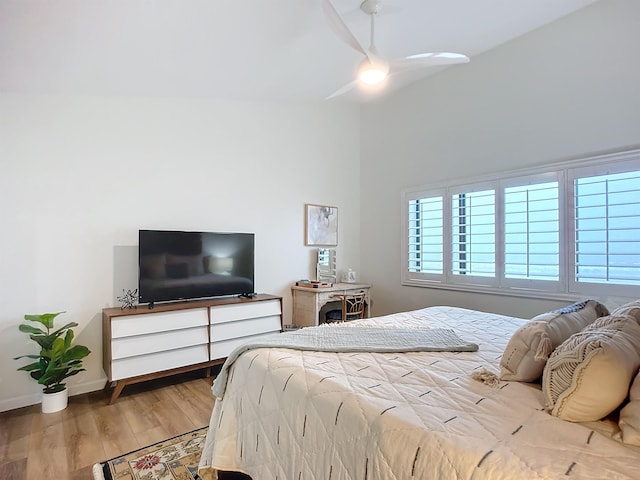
(321, 225)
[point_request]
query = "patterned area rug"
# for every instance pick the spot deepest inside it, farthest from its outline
(172, 459)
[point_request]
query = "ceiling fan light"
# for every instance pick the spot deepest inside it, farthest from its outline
(372, 74)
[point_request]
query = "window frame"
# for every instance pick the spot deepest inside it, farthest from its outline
(562, 172)
(589, 171)
(531, 284)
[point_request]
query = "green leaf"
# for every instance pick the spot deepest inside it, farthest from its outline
(27, 356)
(57, 349)
(61, 329)
(76, 353)
(68, 338)
(29, 329)
(45, 319)
(45, 341)
(30, 367)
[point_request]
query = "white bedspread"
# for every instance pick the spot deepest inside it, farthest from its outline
(362, 339)
(303, 415)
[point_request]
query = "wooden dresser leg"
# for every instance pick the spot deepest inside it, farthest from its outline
(116, 392)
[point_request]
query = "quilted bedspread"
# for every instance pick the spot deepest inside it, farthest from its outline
(291, 414)
(351, 340)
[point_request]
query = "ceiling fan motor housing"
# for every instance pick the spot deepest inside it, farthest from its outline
(371, 7)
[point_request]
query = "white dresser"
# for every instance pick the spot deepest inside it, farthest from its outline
(142, 344)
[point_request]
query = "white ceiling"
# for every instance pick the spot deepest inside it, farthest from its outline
(273, 50)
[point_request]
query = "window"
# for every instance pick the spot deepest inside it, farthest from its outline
(473, 220)
(606, 202)
(565, 229)
(426, 235)
(531, 232)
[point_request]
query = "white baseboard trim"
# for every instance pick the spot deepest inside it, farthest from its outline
(35, 398)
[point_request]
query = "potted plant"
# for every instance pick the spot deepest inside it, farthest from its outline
(58, 358)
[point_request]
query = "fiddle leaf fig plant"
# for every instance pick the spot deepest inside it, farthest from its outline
(58, 358)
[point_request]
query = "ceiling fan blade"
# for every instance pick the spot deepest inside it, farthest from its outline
(341, 91)
(340, 28)
(434, 59)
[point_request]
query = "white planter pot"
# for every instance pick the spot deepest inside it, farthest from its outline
(54, 402)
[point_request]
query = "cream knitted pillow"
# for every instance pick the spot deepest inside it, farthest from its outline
(529, 347)
(631, 308)
(588, 375)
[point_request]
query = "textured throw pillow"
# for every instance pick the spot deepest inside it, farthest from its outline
(631, 308)
(610, 321)
(630, 415)
(588, 376)
(528, 349)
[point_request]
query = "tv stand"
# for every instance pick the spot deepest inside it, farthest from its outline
(150, 306)
(166, 339)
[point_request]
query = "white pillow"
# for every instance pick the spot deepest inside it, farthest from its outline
(588, 376)
(529, 347)
(630, 415)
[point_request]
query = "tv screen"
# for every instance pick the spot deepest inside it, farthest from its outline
(176, 265)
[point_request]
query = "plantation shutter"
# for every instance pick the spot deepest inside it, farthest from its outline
(426, 235)
(607, 228)
(473, 233)
(532, 232)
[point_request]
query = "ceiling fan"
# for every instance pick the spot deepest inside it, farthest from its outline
(374, 69)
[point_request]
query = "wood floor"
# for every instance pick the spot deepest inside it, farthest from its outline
(65, 445)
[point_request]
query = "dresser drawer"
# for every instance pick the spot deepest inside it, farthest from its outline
(244, 328)
(223, 348)
(241, 311)
(146, 323)
(154, 362)
(158, 342)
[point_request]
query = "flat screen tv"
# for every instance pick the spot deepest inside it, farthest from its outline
(176, 265)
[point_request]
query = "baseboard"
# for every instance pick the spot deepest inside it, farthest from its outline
(36, 397)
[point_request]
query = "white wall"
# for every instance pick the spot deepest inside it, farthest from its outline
(568, 90)
(79, 176)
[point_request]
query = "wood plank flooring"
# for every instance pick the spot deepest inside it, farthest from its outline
(65, 445)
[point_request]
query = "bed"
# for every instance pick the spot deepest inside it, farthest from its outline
(304, 414)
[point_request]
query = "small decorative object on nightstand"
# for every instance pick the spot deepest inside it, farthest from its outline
(350, 276)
